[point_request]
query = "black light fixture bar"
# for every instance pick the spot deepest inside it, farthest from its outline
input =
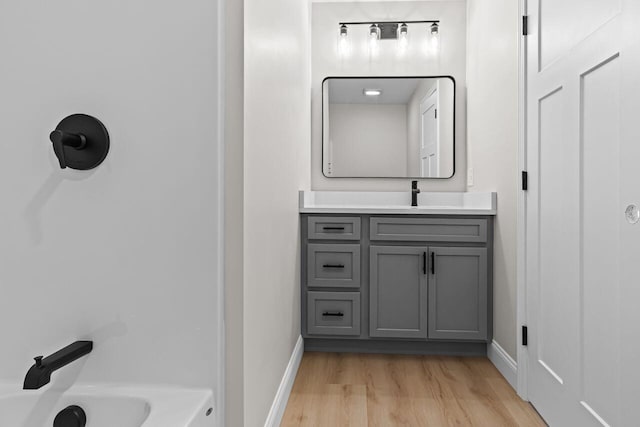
(389, 22)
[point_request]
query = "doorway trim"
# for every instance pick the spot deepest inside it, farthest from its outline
(521, 265)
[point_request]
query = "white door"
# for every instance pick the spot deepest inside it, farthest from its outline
(429, 159)
(582, 256)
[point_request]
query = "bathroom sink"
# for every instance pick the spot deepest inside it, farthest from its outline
(106, 406)
(389, 202)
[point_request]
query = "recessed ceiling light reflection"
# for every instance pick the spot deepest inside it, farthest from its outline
(372, 92)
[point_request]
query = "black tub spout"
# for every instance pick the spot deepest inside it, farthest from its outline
(40, 373)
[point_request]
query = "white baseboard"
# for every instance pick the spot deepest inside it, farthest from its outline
(282, 396)
(505, 363)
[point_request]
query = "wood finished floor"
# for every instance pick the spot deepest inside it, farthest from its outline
(344, 389)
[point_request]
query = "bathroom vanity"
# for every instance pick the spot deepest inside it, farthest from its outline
(378, 275)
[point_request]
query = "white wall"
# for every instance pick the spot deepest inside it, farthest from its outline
(326, 61)
(368, 139)
(276, 166)
(492, 97)
(267, 152)
(126, 254)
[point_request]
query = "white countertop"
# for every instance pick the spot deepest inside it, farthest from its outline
(388, 202)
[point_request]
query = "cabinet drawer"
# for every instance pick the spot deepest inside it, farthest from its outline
(333, 313)
(333, 265)
(429, 229)
(333, 228)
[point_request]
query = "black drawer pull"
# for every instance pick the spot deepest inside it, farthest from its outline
(333, 313)
(333, 228)
(333, 266)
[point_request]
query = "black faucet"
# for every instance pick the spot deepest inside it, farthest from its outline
(414, 193)
(40, 373)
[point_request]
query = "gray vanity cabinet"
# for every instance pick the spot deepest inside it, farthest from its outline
(397, 283)
(458, 293)
(398, 292)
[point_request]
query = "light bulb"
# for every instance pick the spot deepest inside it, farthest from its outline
(403, 38)
(374, 35)
(343, 30)
(435, 44)
(343, 41)
(373, 40)
(433, 40)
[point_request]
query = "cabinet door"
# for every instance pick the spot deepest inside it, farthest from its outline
(458, 293)
(398, 292)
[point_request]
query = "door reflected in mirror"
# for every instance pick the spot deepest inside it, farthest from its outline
(388, 127)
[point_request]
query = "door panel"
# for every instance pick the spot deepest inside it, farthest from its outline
(561, 29)
(559, 237)
(398, 292)
(600, 207)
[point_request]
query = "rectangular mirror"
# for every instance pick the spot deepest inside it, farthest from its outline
(388, 127)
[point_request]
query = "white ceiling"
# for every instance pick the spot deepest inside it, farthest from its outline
(351, 91)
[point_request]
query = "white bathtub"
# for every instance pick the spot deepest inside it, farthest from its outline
(108, 406)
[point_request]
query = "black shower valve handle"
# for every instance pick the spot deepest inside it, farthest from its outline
(80, 142)
(60, 139)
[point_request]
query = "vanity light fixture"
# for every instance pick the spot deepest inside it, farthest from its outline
(372, 92)
(391, 30)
